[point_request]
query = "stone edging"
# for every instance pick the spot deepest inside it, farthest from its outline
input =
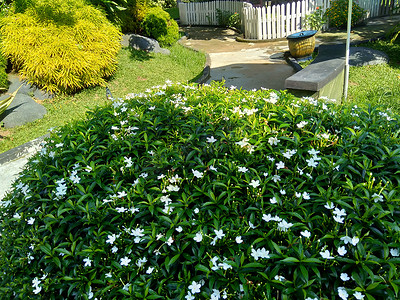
(22, 150)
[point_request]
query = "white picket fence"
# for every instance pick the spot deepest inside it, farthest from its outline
(279, 21)
(262, 23)
(205, 13)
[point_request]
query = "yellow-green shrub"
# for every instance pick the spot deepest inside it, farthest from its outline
(61, 45)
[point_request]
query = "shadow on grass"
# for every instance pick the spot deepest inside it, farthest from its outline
(139, 55)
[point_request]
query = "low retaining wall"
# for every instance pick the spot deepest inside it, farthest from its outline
(323, 77)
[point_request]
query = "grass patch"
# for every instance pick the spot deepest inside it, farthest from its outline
(379, 84)
(137, 72)
(173, 12)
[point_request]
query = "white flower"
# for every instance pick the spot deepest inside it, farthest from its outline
(159, 177)
(37, 290)
(108, 275)
(342, 293)
(121, 209)
(35, 282)
(172, 188)
(219, 234)
(339, 212)
(197, 174)
(30, 221)
(141, 261)
(338, 219)
(137, 232)
(87, 261)
(358, 296)
(273, 200)
(344, 277)
(283, 192)
(273, 141)
(125, 261)
(195, 287)
(289, 153)
(179, 229)
(189, 296)
(149, 270)
(302, 124)
(306, 233)
(243, 143)
(276, 178)
(312, 162)
(242, 169)
(355, 240)
(260, 253)
(255, 183)
(216, 295)
(126, 287)
(346, 239)
(251, 225)
(114, 249)
(394, 252)
(212, 168)
(170, 241)
(342, 250)
(313, 152)
(284, 226)
(265, 174)
(238, 239)
(196, 210)
(111, 239)
(279, 278)
(199, 237)
(377, 198)
(326, 254)
(280, 165)
(306, 196)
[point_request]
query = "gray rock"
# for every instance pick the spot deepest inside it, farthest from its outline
(22, 110)
(362, 56)
(26, 88)
(139, 42)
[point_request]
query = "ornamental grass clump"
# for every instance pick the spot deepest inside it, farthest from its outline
(204, 192)
(61, 46)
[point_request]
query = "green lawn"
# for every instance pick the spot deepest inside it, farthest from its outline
(137, 72)
(379, 84)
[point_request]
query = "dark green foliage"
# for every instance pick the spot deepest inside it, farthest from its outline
(252, 195)
(158, 24)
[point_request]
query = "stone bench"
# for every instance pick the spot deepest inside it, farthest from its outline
(325, 75)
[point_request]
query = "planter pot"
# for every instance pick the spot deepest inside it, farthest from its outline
(302, 44)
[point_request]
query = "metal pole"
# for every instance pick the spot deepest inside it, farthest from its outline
(346, 75)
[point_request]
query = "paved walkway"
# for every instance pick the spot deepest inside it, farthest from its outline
(242, 64)
(261, 64)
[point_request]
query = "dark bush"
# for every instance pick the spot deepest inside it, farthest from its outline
(158, 24)
(184, 193)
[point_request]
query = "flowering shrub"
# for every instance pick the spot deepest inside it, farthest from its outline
(209, 193)
(337, 13)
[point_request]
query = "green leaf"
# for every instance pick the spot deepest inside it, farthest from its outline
(289, 260)
(202, 268)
